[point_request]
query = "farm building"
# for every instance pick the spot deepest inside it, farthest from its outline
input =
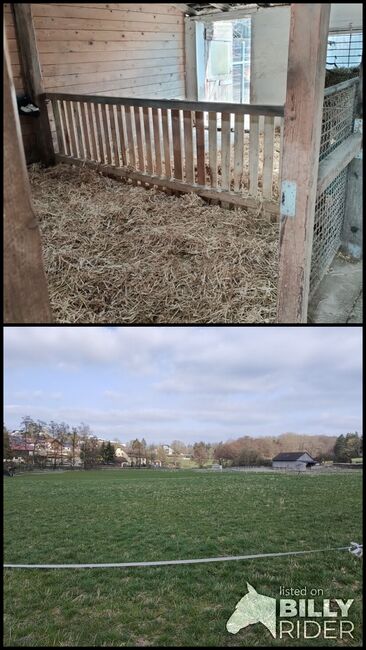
(297, 460)
(187, 163)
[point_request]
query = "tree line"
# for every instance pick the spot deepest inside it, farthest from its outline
(246, 450)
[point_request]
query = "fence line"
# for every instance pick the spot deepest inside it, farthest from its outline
(354, 548)
(201, 146)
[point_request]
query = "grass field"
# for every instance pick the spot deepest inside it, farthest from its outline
(127, 515)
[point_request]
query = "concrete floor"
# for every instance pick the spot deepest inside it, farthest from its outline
(338, 298)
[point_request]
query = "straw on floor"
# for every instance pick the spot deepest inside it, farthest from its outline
(117, 253)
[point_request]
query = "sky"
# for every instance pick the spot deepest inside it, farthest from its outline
(186, 383)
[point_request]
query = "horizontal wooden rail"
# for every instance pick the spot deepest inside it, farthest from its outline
(331, 166)
(343, 85)
(272, 207)
(237, 109)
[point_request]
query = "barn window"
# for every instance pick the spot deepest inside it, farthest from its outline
(344, 49)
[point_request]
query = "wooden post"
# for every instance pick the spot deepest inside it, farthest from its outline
(302, 130)
(32, 76)
(194, 59)
(25, 287)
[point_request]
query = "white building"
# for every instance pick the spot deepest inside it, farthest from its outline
(297, 460)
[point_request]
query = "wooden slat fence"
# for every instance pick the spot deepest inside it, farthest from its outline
(182, 145)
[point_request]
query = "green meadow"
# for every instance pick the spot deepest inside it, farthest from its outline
(132, 515)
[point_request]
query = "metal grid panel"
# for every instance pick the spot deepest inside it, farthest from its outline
(329, 214)
(338, 114)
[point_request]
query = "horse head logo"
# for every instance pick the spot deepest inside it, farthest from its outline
(253, 608)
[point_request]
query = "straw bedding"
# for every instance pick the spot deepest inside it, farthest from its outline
(117, 253)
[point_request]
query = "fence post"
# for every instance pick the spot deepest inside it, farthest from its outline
(25, 287)
(32, 75)
(300, 159)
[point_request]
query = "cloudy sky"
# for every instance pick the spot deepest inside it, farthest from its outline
(186, 383)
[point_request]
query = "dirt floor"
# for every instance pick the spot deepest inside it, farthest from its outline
(117, 253)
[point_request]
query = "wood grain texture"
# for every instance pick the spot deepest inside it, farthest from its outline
(225, 151)
(188, 147)
(253, 154)
(200, 144)
(148, 140)
(212, 147)
(238, 151)
(26, 299)
(166, 142)
(268, 156)
(157, 140)
(300, 160)
(32, 76)
(177, 144)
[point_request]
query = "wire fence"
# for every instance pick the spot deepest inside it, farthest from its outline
(337, 126)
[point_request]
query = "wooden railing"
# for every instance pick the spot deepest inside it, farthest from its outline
(186, 146)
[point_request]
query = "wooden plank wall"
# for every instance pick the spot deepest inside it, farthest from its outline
(27, 123)
(133, 50)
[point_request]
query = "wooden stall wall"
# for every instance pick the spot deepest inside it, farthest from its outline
(131, 50)
(27, 123)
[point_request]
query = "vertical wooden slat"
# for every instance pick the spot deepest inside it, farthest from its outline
(268, 156)
(177, 146)
(65, 128)
(212, 147)
(147, 129)
(107, 140)
(130, 140)
(70, 120)
(93, 143)
(225, 151)
(200, 143)
(122, 139)
(253, 154)
(157, 140)
(166, 142)
(139, 137)
(56, 115)
(188, 146)
(112, 123)
(84, 118)
(238, 151)
(78, 134)
(99, 132)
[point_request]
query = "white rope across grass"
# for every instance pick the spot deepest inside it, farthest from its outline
(354, 548)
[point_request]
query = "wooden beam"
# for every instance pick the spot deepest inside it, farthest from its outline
(32, 76)
(331, 166)
(270, 207)
(185, 105)
(300, 161)
(25, 288)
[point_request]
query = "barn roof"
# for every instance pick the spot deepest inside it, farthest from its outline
(291, 455)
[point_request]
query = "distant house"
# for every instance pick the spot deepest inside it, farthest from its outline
(168, 450)
(297, 460)
(121, 455)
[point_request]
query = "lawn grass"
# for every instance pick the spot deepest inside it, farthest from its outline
(130, 515)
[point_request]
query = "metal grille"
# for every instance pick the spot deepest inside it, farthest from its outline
(338, 120)
(329, 214)
(344, 49)
(338, 114)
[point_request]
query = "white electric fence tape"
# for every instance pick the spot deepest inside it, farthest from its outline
(354, 548)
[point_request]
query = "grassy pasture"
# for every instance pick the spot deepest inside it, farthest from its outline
(146, 515)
